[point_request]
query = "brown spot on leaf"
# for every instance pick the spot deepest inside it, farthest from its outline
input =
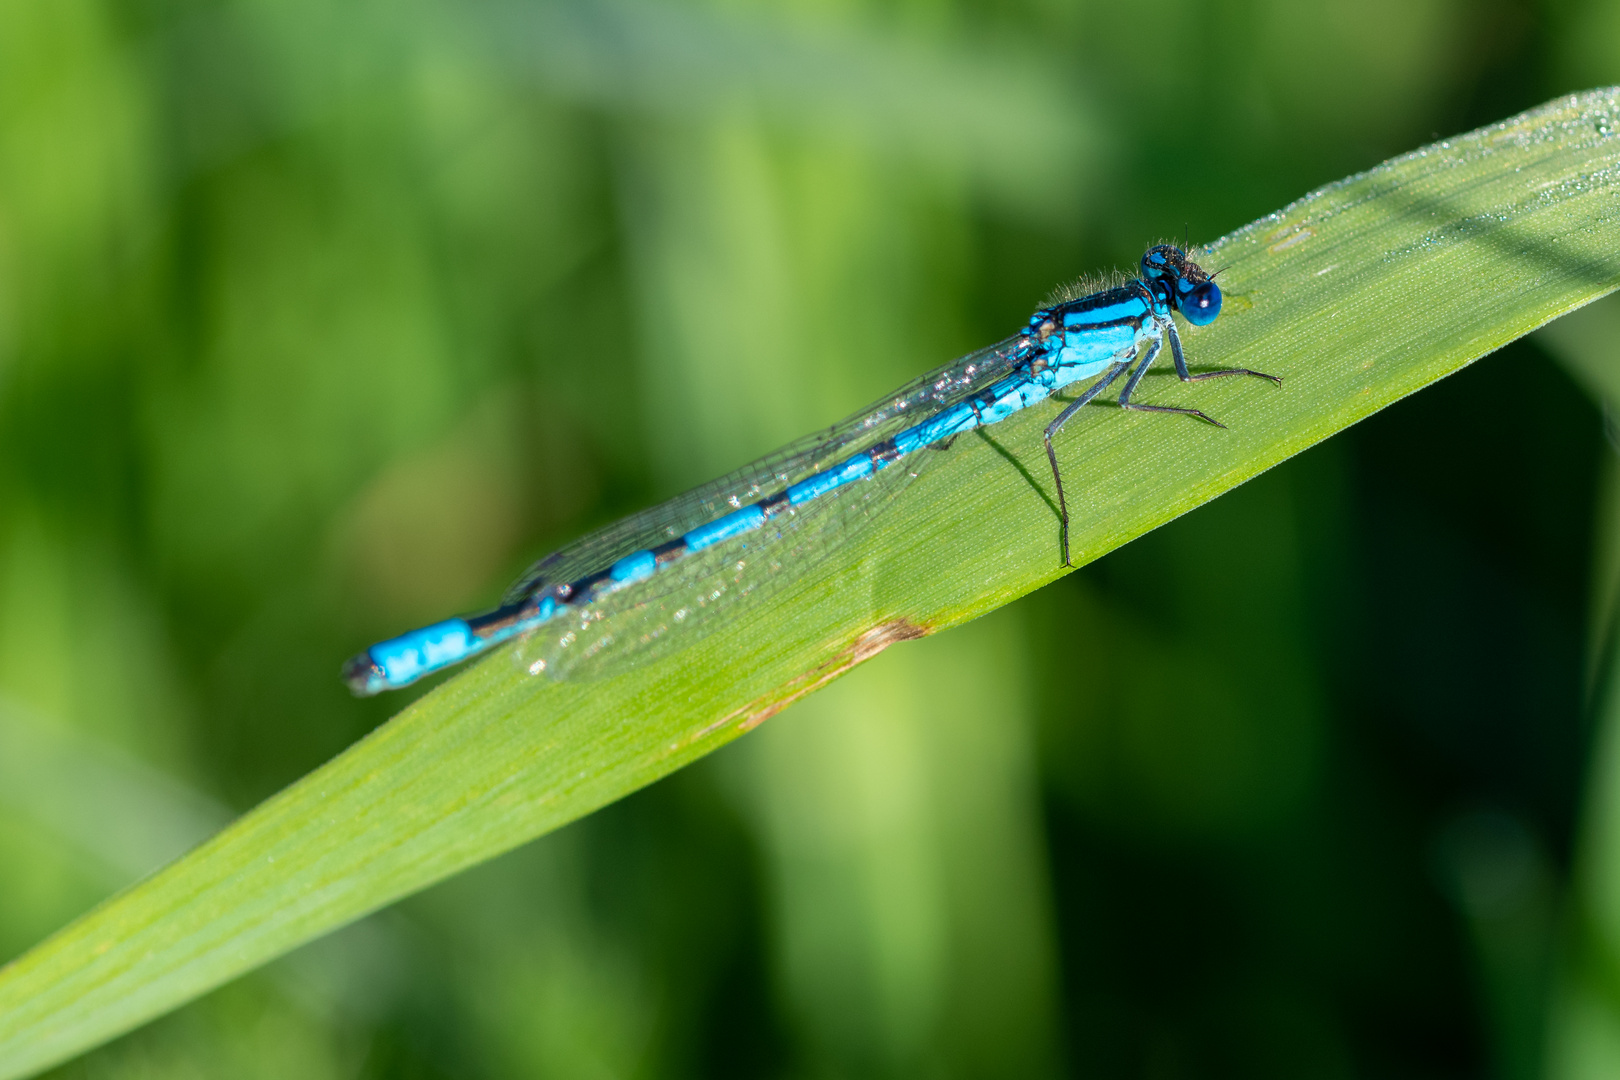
(866, 646)
(880, 637)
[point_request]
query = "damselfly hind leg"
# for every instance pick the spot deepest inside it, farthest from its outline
(1056, 425)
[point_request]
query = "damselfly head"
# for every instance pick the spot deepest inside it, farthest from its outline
(1160, 260)
(1168, 260)
(1191, 290)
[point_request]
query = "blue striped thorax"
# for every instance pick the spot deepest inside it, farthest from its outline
(1170, 282)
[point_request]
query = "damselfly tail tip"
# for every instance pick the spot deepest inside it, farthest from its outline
(364, 676)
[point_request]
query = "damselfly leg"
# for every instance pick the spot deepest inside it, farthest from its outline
(1185, 376)
(1057, 425)
(1125, 401)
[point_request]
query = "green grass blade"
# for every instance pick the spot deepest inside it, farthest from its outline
(1358, 294)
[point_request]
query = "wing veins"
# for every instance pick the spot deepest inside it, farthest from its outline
(910, 404)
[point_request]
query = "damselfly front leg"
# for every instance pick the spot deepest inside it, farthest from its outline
(1181, 364)
(1146, 362)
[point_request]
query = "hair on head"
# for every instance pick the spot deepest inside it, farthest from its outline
(1194, 252)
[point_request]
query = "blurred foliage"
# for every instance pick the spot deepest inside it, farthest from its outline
(320, 319)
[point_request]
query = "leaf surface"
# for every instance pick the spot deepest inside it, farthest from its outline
(1358, 295)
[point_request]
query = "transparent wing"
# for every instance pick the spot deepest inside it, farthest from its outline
(692, 596)
(680, 515)
(687, 598)
(804, 457)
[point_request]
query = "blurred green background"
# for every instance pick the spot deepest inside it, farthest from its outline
(318, 320)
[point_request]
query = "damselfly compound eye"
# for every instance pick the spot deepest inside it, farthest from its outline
(1202, 304)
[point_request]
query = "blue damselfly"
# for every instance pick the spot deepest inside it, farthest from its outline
(653, 582)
